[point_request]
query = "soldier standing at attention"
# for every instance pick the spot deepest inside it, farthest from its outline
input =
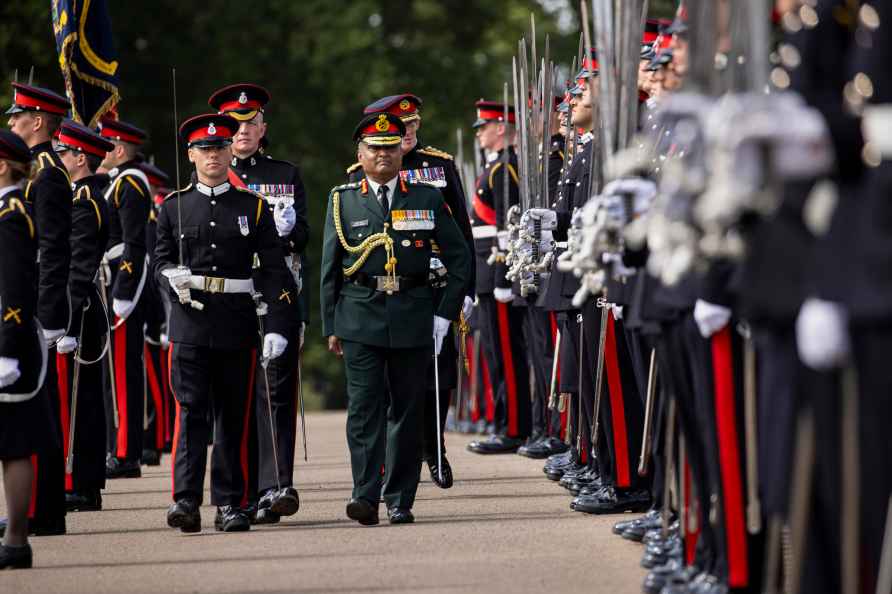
(379, 312)
(208, 235)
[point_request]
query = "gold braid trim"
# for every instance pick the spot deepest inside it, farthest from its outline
(365, 248)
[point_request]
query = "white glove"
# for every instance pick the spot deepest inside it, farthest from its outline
(710, 317)
(123, 307)
(66, 345)
(9, 371)
(547, 216)
(303, 328)
(273, 345)
(441, 327)
(165, 341)
(822, 334)
(284, 217)
(643, 192)
(179, 279)
(51, 335)
(467, 307)
(503, 295)
(617, 312)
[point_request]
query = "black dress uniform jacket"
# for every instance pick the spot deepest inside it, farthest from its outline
(49, 194)
(221, 232)
(489, 208)
(130, 202)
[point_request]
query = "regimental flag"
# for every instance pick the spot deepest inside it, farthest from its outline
(87, 57)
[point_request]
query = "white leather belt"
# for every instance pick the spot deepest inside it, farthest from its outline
(484, 231)
(115, 251)
(213, 284)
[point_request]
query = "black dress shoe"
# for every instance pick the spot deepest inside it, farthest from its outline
(15, 557)
(497, 444)
(613, 501)
(39, 526)
(83, 501)
(230, 518)
(151, 457)
(619, 527)
(636, 530)
(446, 483)
(673, 571)
(262, 514)
(185, 515)
(545, 447)
(363, 512)
(285, 502)
(400, 515)
(117, 468)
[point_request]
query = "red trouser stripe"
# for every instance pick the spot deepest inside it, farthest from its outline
(730, 463)
(64, 413)
(155, 389)
(472, 370)
(32, 504)
(690, 536)
(617, 407)
(165, 389)
(488, 393)
(508, 358)
(246, 429)
(121, 386)
(176, 427)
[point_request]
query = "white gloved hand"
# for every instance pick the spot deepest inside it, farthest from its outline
(710, 317)
(441, 327)
(503, 295)
(66, 345)
(123, 307)
(179, 279)
(467, 307)
(822, 334)
(303, 328)
(9, 371)
(273, 345)
(643, 192)
(285, 218)
(547, 217)
(51, 335)
(617, 311)
(165, 341)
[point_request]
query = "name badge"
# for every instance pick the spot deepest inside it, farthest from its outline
(275, 193)
(412, 220)
(362, 223)
(435, 176)
(243, 226)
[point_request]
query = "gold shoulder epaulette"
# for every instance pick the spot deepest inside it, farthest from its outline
(435, 152)
(15, 205)
(44, 160)
(350, 186)
(354, 167)
(84, 192)
(186, 189)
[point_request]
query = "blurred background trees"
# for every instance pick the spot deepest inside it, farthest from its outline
(322, 61)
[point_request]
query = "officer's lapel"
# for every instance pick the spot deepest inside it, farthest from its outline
(369, 201)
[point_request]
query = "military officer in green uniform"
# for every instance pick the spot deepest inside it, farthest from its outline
(381, 314)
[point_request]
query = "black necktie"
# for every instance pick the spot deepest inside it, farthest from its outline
(382, 199)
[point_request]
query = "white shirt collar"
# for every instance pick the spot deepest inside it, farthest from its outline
(391, 186)
(209, 191)
(585, 138)
(7, 190)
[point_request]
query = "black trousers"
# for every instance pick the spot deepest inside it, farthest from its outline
(218, 382)
(507, 360)
(48, 496)
(448, 372)
(373, 374)
(538, 336)
(282, 373)
(125, 441)
(88, 469)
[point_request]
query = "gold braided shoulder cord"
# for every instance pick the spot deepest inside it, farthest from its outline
(365, 248)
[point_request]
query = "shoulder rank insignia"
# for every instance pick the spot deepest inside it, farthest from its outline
(435, 152)
(349, 186)
(354, 167)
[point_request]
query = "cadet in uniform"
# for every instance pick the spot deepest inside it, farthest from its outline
(81, 151)
(280, 183)
(212, 339)
(35, 116)
(506, 355)
(438, 168)
(24, 407)
(379, 310)
(130, 203)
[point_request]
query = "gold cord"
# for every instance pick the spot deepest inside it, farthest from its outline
(365, 248)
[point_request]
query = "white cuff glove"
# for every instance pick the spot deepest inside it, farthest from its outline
(467, 307)
(50, 336)
(503, 295)
(123, 307)
(710, 317)
(822, 334)
(165, 341)
(547, 217)
(643, 192)
(9, 371)
(66, 345)
(273, 345)
(617, 312)
(303, 328)
(441, 327)
(285, 218)
(179, 279)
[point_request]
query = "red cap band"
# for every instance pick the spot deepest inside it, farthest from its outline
(24, 100)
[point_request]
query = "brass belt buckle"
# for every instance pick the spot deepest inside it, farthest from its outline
(213, 284)
(388, 284)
